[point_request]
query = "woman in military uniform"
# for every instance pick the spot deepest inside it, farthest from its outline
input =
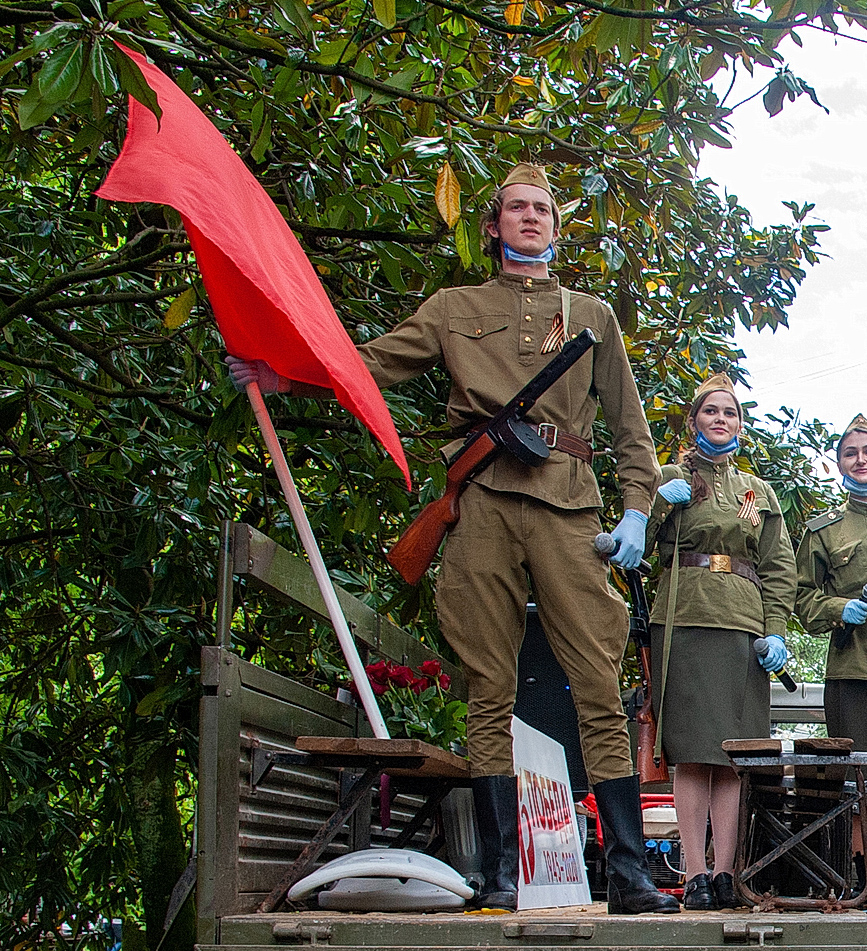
(832, 571)
(733, 581)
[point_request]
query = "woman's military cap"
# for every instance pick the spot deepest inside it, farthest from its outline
(719, 382)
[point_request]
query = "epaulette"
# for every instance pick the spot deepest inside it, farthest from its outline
(826, 518)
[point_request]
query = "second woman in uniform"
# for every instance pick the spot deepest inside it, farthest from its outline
(728, 579)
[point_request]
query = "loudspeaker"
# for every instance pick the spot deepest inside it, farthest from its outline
(544, 701)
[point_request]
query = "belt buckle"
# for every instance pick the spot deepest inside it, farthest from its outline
(721, 563)
(548, 432)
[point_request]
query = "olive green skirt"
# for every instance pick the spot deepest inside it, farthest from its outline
(716, 690)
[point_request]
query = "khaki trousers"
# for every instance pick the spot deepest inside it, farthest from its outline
(503, 544)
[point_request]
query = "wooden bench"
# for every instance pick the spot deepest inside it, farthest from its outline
(795, 822)
(280, 761)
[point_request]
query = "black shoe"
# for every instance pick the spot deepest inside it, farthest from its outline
(724, 890)
(496, 801)
(698, 894)
(630, 888)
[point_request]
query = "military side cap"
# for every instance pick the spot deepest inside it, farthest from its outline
(858, 425)
(714, 384)
(525, 174)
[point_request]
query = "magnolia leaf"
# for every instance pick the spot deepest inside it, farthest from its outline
(133, 82)
(385, 12)
(179, 310)
(100, 67)
(515, 12)
(462, 244)
(33, 110)
(612, 254)
(448, 195)
(60, 76)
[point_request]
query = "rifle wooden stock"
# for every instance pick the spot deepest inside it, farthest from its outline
(649, 770)
(417, 547)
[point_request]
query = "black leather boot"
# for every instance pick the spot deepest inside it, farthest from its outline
(496, 801)
(630, 889)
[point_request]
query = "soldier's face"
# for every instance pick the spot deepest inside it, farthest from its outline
(717, 418)
(526, 222)
(853, 456)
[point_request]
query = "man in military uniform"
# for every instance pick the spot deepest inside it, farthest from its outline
(832, 571)
(523, 527)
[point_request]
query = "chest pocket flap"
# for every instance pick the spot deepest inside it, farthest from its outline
(843, 552)
(478, 326)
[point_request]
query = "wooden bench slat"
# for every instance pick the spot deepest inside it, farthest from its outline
(350, 751)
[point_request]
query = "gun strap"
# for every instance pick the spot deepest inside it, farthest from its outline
(669, 625)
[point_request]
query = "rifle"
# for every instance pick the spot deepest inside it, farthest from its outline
(650, 769)
(418, 545)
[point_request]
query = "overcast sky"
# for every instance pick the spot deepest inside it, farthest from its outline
(817, 366)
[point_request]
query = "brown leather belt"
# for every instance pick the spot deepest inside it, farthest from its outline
(724, 563)
(555, 438)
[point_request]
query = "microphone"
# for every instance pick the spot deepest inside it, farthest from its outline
(843, 637)
(761, 647)
(607, 545)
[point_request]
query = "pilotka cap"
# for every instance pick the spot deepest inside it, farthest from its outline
(714, 384)
(525, 174)
(858, 424)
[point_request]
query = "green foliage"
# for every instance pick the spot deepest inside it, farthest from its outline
(122, 445)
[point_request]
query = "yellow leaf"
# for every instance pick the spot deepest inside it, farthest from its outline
(644, 127)
(515, 12)
(179, 310)
(448, 195)
(523, 81)
(541, 12)
(651, 286)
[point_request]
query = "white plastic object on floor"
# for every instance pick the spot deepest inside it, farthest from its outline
(396, 864)
(387, 894)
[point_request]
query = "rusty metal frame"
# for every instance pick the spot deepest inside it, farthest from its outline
(793, 845)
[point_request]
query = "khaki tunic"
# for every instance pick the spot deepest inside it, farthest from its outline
(523, 526)
(716, 599)
(716, 689)
(832, 569)
(489, 338)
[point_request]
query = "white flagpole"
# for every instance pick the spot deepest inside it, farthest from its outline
(335, 612)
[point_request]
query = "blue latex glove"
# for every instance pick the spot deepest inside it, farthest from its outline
(676, 491)
(855, 611)
(777, 655)
(629, 535)
(242, 372)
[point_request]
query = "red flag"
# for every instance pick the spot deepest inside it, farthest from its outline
(268, 300)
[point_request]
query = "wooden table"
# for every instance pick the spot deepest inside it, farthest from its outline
(417, 767)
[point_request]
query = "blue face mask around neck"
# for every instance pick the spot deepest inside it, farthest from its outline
(712, 449)
(510, 254)
(856, 488)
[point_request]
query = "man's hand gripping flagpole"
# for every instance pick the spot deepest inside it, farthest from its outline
(251, 263)
(320, 572)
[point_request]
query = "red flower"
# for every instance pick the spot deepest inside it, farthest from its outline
(431, 668)
(401, 676)
(419, 685)
(445, 681)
